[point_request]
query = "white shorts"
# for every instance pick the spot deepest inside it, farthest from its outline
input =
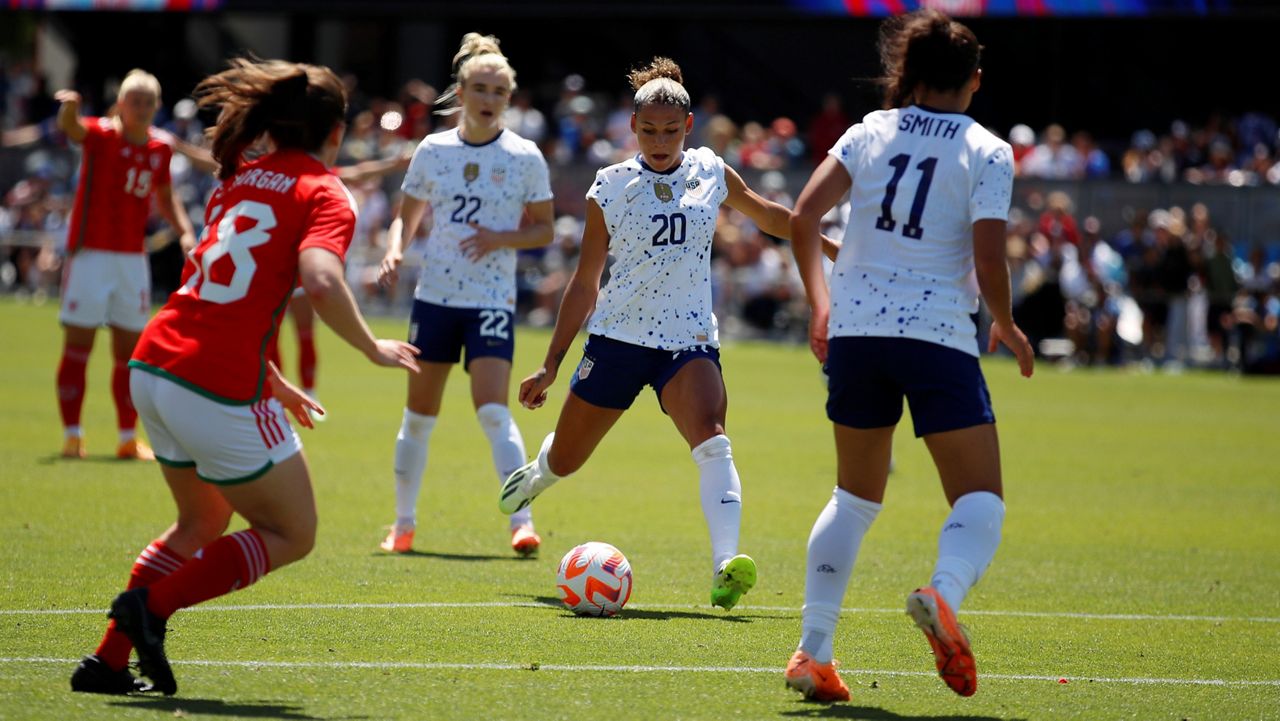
(105, 288)
(226, 444)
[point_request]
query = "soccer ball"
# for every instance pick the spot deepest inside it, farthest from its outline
(594, 579)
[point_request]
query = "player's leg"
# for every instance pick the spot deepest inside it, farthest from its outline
(77, 343)
(490, 383)
(304, 322)
(87, 281)
(128, 310)
(437, 332)
(692, 392)
(864, 404)
(422, 407)
(604, 385)
(953, 415)
(123, 342)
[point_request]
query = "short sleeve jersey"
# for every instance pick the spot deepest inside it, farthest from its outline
(117, 180)
(212, 334)
(921, 178)
(487, 184)
(660, 230)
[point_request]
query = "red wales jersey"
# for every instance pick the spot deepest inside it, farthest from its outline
(117, 179)
(212, 334)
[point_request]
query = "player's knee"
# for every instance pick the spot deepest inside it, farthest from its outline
(493, 416)
(713, 448)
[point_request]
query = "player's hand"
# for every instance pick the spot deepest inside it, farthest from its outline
(1014, 340)
(831, 248)
(395, 353)
(480, 243)
(389, 270)
(68, 97)
(187, 241)
(818, 320)
(298, 403)
(533, 390)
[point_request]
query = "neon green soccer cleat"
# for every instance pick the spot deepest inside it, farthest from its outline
(735, 577)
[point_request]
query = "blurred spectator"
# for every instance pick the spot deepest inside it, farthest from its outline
(1052, 158)
(527, 121)
(1057, 223)
(826, 127)
(756, 151)
(1093, 162)
(1023, 140)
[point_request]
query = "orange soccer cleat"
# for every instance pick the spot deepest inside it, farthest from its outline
(135, 450)
(817, 681)
(73, 447)
(950, 644)
(524, 541)
(399, 540)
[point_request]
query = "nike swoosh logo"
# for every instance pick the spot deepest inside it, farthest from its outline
(729, 500)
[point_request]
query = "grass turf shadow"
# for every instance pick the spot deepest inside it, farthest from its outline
(814, 709)
(638, 614)
(482, 557)
(218, 707)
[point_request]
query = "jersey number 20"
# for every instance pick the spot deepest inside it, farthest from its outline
(886, 222)
(237, 245)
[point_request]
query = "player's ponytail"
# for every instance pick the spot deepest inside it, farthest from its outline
(477, 52)
(295, 104)
(659, 83)
(925, 48)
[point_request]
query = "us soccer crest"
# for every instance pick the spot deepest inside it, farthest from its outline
(471, 171)
(498, 176)
(663, 191)
(584, 370)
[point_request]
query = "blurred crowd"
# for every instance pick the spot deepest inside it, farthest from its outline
(1169, 289)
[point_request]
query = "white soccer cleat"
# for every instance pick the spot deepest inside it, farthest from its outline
(521, 488)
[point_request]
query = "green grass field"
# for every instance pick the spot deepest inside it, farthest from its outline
(1141, 559)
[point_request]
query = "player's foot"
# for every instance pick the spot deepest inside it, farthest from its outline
(524, 541)
(399, 540)
(817, 681)
(93, 675)
(146, 630)
(521, 488)
(949, 642)
(135, 450)
(73, 447)
(735, 577)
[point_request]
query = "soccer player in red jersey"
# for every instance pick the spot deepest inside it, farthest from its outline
(107, 280)
(212, 405)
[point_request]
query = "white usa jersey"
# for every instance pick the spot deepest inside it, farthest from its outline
(488, 184)
(921, 178)
(660, 229)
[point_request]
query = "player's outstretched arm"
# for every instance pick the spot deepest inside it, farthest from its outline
(829, 182)
(773, 218)
(321, 273)
(171, 209)
(991, 267)
(405, 226)
(578, 301)
(69, 121)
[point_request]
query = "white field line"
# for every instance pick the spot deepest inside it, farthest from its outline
(575, 668)
(656, 606)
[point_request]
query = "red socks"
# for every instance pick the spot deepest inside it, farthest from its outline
(71, 383)
(153, 564)
(228, 564)
(126, 415)
(307, 358)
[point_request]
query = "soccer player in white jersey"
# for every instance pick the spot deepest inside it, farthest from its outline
(479, 180)
(929, 192)
(652, 325)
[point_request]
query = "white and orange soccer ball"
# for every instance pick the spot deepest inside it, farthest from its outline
(594, 579)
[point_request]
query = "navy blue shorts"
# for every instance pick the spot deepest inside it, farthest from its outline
(868, 376)
(441, 333)
(613, 373)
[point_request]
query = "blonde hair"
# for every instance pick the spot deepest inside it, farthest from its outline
(140, 81)
(476, 54)
(659, 83)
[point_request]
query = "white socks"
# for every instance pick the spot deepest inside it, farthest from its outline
(721, 497)
(833, 548)
(966, 545)
(411, 462)
(507, 447)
